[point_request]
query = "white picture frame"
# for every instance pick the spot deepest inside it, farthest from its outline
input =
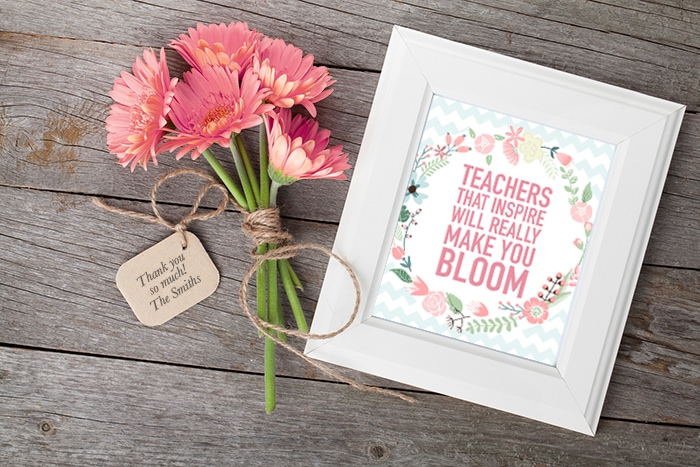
(643, 129)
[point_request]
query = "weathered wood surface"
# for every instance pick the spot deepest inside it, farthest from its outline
(81, 381)
(81, 410)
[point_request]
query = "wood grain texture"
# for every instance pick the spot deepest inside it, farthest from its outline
(62, 252)
(612, 43)
(82, 382)
(77, 410)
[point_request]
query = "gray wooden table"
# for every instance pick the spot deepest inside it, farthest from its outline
(83, 383)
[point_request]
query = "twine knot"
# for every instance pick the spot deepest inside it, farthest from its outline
(264, 226)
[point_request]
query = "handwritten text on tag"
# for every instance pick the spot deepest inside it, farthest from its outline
(167, 279)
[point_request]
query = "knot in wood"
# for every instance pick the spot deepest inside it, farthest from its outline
(264, 226)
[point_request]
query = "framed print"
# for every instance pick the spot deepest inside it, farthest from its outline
(496, 221)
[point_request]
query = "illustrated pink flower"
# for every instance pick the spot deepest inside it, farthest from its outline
(137, 119)
(440, 152)
(210, 105)
(478, 309)
(418, 287)
(511, 153)
(578, 243)
(231, 46)
(397, 252)
(535, 311)
(291, 78)
(588, 226)
(298, 150)
(564, 159)
(573, 278)
(581, 212)
(457, 143)
(513, 136)
(484, 143)
(435, 303)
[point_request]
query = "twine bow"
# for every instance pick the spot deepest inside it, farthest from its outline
(181, 225)
(263, 227)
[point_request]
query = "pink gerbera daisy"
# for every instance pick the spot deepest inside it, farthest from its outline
(298, 150)
(136, 122)
(210, 105)
(291, 78)
(232, 46)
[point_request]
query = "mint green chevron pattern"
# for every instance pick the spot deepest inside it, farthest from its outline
(539, 343)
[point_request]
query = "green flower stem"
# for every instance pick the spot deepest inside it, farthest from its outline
(267, 296)
(226, 178)
(270, 396)
(274, 303)
(261, 287)
(289, 277)
(293, 275)
(274, 188)
(274, 317)
(243, 176)
(293, 300)
(273, 293)
(248, 168)
(264, 162)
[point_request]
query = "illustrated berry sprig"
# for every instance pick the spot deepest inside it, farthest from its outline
(552, 289)
(406, 221)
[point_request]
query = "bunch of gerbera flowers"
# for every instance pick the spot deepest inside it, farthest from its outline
(239, 79)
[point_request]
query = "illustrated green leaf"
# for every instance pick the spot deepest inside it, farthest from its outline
(454, 303)
(567, 189)
(471, 133)
(406, 262)
(549, 167)
(561, 297)
(489, 158)
(403, 275)
(398, 233)
(587, 194)
(499, 137)
(404, 215)
(508, 326)
(433, 166)
(573, 179)
(496, 325)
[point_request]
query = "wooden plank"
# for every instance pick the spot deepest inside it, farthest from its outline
(59, 255)
(68, 409)
(659, 339)
(55, 140)
(82, 382)
(599, 40)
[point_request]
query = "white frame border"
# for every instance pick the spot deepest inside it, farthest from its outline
(644, 130)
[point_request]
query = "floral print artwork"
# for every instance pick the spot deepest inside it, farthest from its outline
(492, 233)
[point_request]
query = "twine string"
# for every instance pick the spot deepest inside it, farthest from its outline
(192, 215)
(263, 226)
(267, 328)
